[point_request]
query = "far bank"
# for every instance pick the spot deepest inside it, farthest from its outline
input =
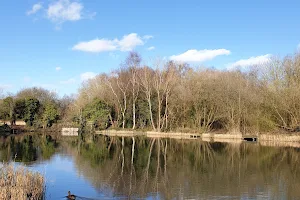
(282, 137)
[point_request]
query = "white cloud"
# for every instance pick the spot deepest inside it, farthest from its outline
(298, 47)
(252, 61)
(127, 43)
(58, 68)
(151, 48)
(60, 11)
(194, 55)
(130, 41)
(96, 46)
(35, 8)
(69, 81)
(64, 10)
(87, 75)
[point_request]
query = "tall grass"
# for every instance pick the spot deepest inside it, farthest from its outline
(18, 183)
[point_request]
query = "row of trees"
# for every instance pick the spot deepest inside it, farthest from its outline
(169, 96)
(36, 106)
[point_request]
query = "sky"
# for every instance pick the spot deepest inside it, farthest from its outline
(58, 44)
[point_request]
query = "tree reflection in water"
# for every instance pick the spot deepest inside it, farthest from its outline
(27, 148)
(167, 168)
(135, 167)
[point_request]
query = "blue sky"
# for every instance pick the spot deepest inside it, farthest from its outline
(57, 44)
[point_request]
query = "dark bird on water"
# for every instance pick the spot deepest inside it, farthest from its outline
(71, 196)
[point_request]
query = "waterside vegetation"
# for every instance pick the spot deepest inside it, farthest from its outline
(19, 183)
(169, 96)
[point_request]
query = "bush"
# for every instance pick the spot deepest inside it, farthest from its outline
(19, 183)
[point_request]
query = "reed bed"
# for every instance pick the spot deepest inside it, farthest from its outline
(19, 183)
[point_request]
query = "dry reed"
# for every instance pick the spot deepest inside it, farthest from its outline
(19, 183)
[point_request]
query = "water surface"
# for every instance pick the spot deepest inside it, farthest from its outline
(118, 167)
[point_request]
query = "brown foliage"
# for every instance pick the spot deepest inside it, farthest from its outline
(19, 183)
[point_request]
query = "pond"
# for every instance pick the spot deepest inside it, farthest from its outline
(145, 168)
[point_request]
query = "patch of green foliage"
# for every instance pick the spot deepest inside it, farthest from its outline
(32, 106)
(98, 113)
(50, 114)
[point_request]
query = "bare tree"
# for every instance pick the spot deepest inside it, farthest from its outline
(145, 78)
(133, 63)
(119, 83)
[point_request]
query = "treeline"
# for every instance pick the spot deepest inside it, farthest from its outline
(38, 107)
(171, 96)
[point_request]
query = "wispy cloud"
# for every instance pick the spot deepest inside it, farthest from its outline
(252, 61)
(57, 68)
(5, 86)
(69, 81)
(82, 77)
(147, 37)
(64, 10)
(127, 43)
(114, 55)
(151, 48)
(35, 8)
(194, 55)
(60, 11)
(87, 75)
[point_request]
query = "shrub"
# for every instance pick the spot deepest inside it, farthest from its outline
(19, 183)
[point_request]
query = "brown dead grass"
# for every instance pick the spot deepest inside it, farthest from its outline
(19, 183)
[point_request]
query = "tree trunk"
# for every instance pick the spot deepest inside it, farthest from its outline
(151, 114)
(133, 114)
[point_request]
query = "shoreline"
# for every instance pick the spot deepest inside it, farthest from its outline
(263, 137)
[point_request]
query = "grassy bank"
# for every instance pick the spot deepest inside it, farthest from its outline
(19, 183)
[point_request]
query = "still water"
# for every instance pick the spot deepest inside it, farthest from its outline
(140, 168)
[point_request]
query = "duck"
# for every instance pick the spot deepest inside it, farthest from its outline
(71, 196)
